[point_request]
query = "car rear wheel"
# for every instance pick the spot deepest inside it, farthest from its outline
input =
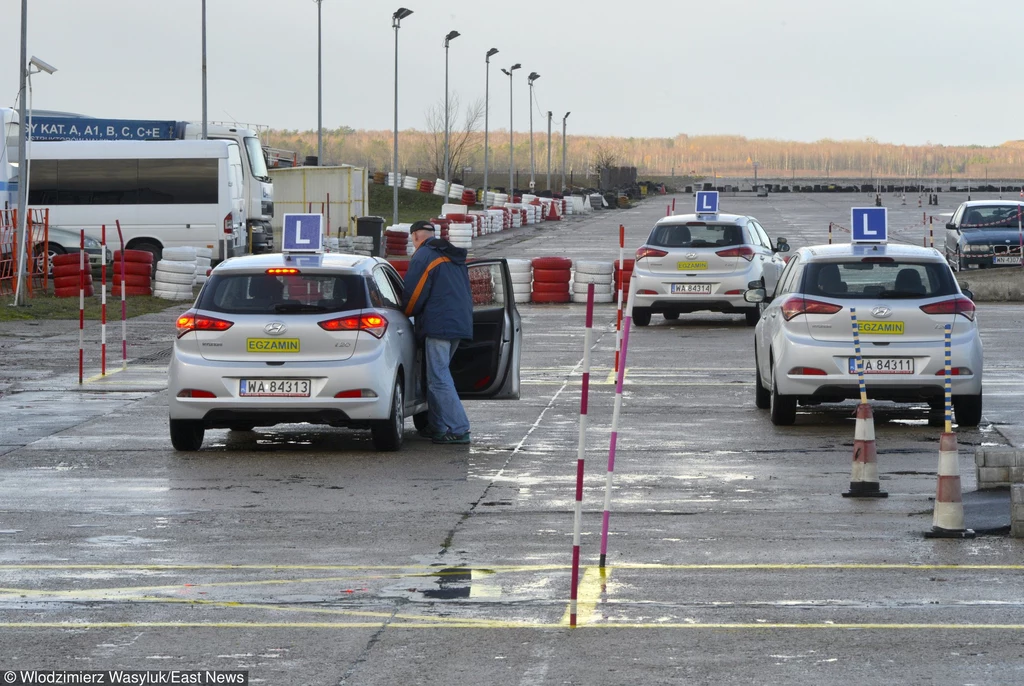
(967, 409)
(753, 316)
(187, 434)
(641, 316)
(671, 316)
(388, 433)
(783, 407)
(762, 396)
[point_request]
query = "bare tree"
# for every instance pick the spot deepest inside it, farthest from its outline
(461, 140)
(604, 158)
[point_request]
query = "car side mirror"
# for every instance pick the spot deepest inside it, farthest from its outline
(781, 245)
(756, 283)
(951, 226)
(755, 295)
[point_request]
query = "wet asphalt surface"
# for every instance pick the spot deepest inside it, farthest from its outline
(301, 555)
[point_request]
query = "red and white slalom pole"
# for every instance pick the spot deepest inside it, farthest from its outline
(830, 233)
(124, 301)
(81, 307)
(615, 433)
(588, 338)
(618, 316)
(103, 300)
(673, 205)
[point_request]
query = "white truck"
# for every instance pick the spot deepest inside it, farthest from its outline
(63, 126)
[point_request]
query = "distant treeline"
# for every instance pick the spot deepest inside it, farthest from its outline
(683, 155)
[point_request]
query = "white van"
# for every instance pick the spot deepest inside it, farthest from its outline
(165, 194)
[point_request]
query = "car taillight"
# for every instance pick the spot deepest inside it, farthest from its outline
(957, 305)
(807, 371)
(195, 393)
(356, 393)
(373, 324)
(744, 251)
(649, 252)
(228, 224)
(955, 371)
(800, 305)
(190, 321)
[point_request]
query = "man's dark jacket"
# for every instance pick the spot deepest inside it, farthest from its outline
(437, 291)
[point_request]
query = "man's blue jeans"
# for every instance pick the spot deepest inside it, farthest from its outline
(445, 413)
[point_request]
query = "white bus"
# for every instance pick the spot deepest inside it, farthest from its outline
(165, 194)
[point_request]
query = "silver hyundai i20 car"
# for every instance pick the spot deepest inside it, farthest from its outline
(321, 339)
(904, 296)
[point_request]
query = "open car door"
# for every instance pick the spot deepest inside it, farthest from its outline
(489, 366)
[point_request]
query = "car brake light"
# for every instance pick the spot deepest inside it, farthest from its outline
(283, 271)
(744, 251)
(190, 321)
(195, 393)
(649, 252)
(373, 324)
(356, 393)
(877, 260)
(800, 305)
(955, 371)
(228, 224)
(954, 306)
(646, 291)
(807, 371)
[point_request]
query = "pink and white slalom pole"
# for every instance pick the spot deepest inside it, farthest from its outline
(81, 307)
(124, 301)
(588, 342)
(103, 300)
(618, 316)
(615, 431)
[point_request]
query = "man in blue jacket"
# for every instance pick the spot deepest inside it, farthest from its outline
(438, 294)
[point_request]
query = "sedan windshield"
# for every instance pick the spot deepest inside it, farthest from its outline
(293, 294)
(994, 216)
(695, 235)
(859, 279)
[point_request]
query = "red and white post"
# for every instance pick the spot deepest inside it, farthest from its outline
(124, 301)
(618, 315)
(103, 300)
(588, 342)
(81, 307)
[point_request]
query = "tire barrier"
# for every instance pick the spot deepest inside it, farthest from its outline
(622, 277)
(397, 240)
(522, 278)
(410, 183)
(391, 179)
(401, 266)
(426, 186)
(65, 260)
(204, 256)
(481, 286)
(440, 188)
(591, 272)
(138, 272)
(64, 282)
(174, 279)
(551, 276)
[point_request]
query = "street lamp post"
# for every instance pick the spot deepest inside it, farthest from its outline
(319, 86)
(530, 79)
(511, 140)
(563, 149)
(487, 91)
(396, 22)
(549, 150)
(452, 35)
(204, 72)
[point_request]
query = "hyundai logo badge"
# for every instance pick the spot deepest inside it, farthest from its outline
(881, 311)
(275, 328)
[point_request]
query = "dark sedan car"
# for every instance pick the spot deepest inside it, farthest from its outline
(985, 233)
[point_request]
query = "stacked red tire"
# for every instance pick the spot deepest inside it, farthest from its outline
(622, 277)
(481, 285)
(551, 277)
(138, 273)
(397, 242)
(66, 277)
(468, 197)
(401, 266)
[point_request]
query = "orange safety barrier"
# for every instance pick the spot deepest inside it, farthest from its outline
(37, 259)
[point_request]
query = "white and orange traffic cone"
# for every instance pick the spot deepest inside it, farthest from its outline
(864, 475)
(948, 517)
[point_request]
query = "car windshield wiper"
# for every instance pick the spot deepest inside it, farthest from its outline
(298, 307)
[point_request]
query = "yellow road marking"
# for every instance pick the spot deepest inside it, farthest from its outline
(592, 585)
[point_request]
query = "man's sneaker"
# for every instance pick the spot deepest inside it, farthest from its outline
(452, 439)
(430, 433)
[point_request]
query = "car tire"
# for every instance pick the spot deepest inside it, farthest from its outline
(783, 407)
(388, 433)
(753, 316)
(641, 316)
(671, 316)
(421, 420)
(762, 396)
(187, 434)
(936, 413)
(967, 409)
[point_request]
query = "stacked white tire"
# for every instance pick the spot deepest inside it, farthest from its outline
(461, 235)
(588, 272)
(203, 257)
(362, 245)
(522, 281)
(174, 279)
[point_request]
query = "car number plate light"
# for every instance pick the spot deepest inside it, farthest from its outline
(691, 289)
(274, 388)
(884, 365)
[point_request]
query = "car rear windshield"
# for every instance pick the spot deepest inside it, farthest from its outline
(859, 279)
(696, 235)
(990, 217)
(299, 293)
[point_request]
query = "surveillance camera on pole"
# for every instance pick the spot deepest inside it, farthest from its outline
(41, 65)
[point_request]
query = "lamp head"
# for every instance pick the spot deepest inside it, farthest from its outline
(515, 66)
(41, 65)
(401, 13)
(492, 52)
(533, 77)
(566, 116)
(452, 35)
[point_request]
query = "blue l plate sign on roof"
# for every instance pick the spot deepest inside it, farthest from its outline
(302, 233)
(869, 224)
(707, 202)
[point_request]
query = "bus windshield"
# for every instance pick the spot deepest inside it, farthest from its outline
(257, 162)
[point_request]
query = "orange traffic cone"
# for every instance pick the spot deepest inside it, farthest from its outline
(948, 517)
(552, 213)
(864, 475)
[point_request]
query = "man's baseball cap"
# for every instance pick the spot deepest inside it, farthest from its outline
(421, 226)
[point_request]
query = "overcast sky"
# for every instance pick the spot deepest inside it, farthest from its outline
(901, 71)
